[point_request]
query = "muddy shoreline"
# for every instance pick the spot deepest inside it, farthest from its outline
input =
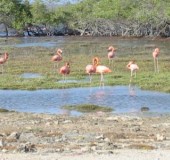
(90, 133)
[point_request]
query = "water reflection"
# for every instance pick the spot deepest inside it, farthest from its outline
(132, 89)
(120, 98)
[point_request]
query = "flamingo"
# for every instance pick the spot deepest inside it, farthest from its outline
(111, 53)
(3, 59)
(65, 70)
(101, 69)
(91, 68)
(133, 68)
(155, 57)
(57, 57)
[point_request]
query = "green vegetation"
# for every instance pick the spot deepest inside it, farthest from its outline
(87, 108)
(149, 13)
(3, 110)
(79, 54)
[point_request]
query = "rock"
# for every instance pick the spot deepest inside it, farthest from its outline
(67, 121)
(85, 149)
(160, 137)
(107, 140)
(93, 148)
(2, 144)
(115, 119)
(13, 135)
(144, 109)
(4, 150)
(27, 147)
(59, 150)
(101, 137)
(56, 122)
(28, 137)
(80, 134)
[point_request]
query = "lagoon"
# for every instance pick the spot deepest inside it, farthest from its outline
(120, 98)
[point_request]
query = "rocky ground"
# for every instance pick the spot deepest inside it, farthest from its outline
(99, 133)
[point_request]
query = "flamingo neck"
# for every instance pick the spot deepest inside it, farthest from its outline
(5, 56)
(95, 61)
(58, 53)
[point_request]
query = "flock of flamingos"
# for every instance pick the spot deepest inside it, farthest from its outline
(101, 69)
(94, 67)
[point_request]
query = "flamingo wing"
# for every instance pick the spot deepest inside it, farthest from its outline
(90, 69)
(64, 70)
(102, 69)
(134, 67)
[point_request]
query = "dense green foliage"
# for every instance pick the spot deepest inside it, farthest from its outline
(18, 13)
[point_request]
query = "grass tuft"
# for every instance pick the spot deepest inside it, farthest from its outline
(87, 108)
(3, 110)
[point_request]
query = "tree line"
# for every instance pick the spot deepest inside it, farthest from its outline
(88, 17)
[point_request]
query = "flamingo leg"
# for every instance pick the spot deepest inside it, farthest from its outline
(102, 80)
(63, 78)
(109, 61)
(131, 73)
(135, 74)
(90, 77)
(131, 77)
(54, 66)
(112, 62)
(157, 66)
(2, 69)
(57, 64)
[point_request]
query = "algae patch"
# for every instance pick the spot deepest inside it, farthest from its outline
(87, 108)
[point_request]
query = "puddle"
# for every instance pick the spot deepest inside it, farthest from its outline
(31, 75)
(67, 81)
(117, 97)
(72, 81)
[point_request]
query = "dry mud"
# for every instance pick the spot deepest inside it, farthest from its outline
(91, 136)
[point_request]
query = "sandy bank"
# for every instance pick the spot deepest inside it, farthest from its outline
(116, 155)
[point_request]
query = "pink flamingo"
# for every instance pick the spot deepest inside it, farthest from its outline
(91, 68)
(57, 57)
(101, 69)
(133, 68)
(3, 59)
(65, 70)
(155, 57)
(111, 53)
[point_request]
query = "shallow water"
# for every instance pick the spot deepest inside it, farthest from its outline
(31, 75)
(89, 45)
(21, 42)
(80, 41)
(120, 98)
